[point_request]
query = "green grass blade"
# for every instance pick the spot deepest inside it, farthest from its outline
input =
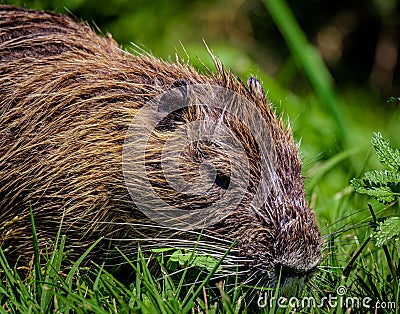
(38, 271)
(144, 277)
(190, 301)
(74, 269)
(12, 279)
(96, 283)
(52, 269)
(75, 266)
(80, 304)
(308, 58)
(150, 285)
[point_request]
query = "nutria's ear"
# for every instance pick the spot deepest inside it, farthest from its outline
(256, 88)
(174, 102)
(177, 96)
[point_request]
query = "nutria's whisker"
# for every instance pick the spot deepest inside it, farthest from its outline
(324, 267)
(347, 228)
(343, 219)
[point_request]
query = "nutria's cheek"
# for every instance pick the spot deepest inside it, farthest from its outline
(194, 175)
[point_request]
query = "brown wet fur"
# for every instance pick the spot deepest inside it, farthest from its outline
(67, 97)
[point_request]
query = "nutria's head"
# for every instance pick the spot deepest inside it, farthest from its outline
(134, 147)
(204, 157)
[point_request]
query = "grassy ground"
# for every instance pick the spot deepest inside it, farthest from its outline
(335, 125)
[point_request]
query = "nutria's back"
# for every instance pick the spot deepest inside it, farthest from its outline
(68, 99)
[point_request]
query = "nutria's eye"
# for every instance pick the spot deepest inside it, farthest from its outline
(222, 180)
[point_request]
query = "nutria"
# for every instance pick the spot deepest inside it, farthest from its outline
(74, 111)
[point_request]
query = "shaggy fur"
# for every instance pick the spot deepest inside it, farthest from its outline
(67, 97)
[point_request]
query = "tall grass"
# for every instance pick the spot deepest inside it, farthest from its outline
(56, 285)
(308, 60)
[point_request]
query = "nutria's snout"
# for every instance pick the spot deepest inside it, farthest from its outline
(291, 265)
(291, 279)
(295, 268)
(290, 271)
(135, 148)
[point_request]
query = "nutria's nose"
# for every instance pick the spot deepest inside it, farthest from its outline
(287, 273)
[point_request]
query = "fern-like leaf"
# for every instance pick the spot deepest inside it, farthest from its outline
(387, 156)
(382, 193)
(383, 185)
(387, 230)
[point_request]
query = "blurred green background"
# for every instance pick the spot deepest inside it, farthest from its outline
(333, 116)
